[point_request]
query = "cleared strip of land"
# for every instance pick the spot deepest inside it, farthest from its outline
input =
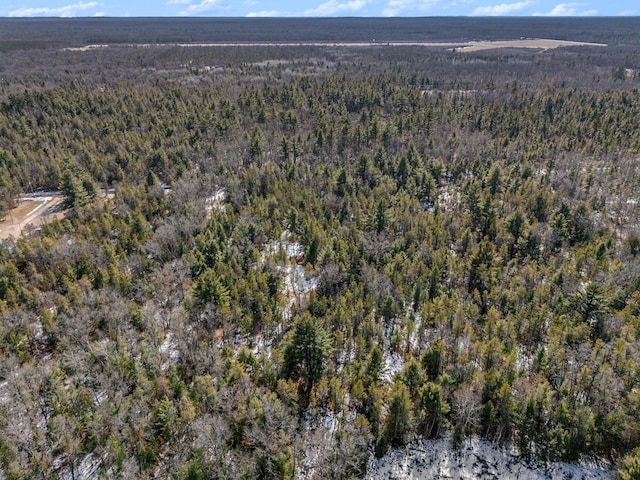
(473, 46)
(32, 211)
(536, 43)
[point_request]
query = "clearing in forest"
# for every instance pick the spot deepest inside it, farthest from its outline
(472, 46)
(31, 212)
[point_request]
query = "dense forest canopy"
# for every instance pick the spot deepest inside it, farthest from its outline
(63, 32)
(314, 253)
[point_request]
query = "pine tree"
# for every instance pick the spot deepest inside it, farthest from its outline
(398, 422)
(306, 354)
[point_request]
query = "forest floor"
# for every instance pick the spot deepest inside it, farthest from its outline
(437, 459)
(32, 211)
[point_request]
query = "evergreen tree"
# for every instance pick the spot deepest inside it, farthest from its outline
(399, 420)
(306, 353)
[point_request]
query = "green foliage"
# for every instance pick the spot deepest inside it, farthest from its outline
(147, 453)
(275, 238)
(432, 360)
(209, 288)
(432, 410)
(374, 365)
(79, 190)
(629, 468)
(196, 468)
(413, 377)
(165, 416)
(306, 353)
(398, 422)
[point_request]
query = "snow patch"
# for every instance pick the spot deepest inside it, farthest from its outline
(216, 201)
(260, 344)
(437, 459)
(524, 361)
(38, 331)
(321, 425)
(87, 469)
(295, 277)
(295, 280)
(414, 338)
(393, 362)
(293, 249)
(170, 350)
(321, 418)
(449, 198)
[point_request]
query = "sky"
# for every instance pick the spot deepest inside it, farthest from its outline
(316, 8)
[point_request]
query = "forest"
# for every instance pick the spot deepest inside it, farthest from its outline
(277, 262)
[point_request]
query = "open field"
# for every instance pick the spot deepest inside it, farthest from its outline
(534, 43)
(473, 46)
(32, 211)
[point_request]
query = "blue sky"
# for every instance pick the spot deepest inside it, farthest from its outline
(317, 8)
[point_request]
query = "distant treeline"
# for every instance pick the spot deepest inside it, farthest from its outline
(56, 32)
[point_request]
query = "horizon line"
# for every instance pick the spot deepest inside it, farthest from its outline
(303, 17)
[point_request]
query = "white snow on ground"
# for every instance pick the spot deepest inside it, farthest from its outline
(260, 344)
(169, 349)
(393, 362)
(87, 469)
(476, 459)
(99, 397)
(292, 248)
(524, 361)
(296, 281)
(321, 417)
(216, 200)
(449, 198)
(414, 338)
(321, 425)
(5, 395)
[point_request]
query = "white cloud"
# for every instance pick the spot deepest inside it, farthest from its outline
(502, 9)
(333, 6)
(458, 3)
(179, 2)
(629, 13)
(267, 13)
(71, 10)
(395, 7)
(572, 9)
(203, 6)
